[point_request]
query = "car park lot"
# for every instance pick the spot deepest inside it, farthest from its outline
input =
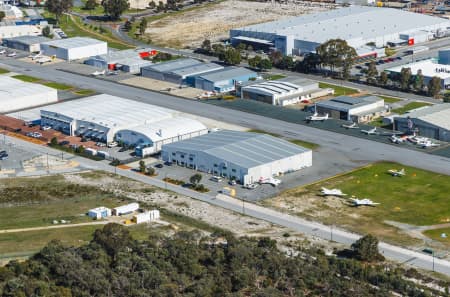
(16, 156)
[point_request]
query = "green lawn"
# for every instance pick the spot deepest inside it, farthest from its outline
(306, 144)
(26, 78)
(97, 11)
(389, 99)
(410, 106)
(435, 234)
(84, 92)
(58, 86)
(419, 198)
(274, 76)
(338, 90)
(3, 71)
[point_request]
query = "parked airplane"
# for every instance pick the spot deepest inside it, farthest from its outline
(13, 54)
(353, 125)
(270, 180)
(371, 131)
(97, 73)
(43, 60)
(316, 117)
(395, 172)
(363, 202)
(2, 51)
(35, 57)
(395, 139)
(332, 192)
(428, 144)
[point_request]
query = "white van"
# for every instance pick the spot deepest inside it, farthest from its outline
(216, 178)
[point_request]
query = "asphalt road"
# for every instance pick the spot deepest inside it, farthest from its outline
(340, 147)
(395, 253)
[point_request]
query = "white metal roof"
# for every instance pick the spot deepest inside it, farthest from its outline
(16, 94)
(242, 148)
(73, 42)
(273, 87)
(348, 23)
(429, 68)
(110, 111)
(438, 115)
(169, 128)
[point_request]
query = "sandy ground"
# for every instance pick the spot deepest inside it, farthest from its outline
(238, 224)
(162, 86)
(214, 21)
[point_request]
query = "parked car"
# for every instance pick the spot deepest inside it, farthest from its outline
(4, 157)
(45, 128)
(37, 134)
(101, 144)
(112, 144)
(232, 182)
(64, 142)
(159, 165)
(251, 186)
(216, 178)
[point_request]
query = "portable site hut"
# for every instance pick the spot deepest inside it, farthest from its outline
(99, 212)
(125, 209)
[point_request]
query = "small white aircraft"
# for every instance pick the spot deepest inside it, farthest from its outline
(272, 181)
(43, 60)
(2, 51)
(316, 117)
(395, 139)
(363, 202)
(398, 173)
(353, 125)
(371, 131)
(332, 192)
(428, 144)
(97, 73)
(35, 57)
(13, 54)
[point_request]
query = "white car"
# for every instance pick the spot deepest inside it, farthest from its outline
(100, 144)
(45, 128)
(251, 186)
(37, 135)
(112, 144)
(2, 51)
(13, 54)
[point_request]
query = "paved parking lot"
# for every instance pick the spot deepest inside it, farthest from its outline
(16, 156)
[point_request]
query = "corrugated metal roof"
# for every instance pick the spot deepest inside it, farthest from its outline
(174, 65)
(73, 42)
(11, 88)
(348, 103)
(242, 148)
(347, 23)
(28, 39)
(227, 74)
(197, 69)
(273, 87)
(438, 115)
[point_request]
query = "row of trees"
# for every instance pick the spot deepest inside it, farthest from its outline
(170, 5)
(189, 264)
(113, 8)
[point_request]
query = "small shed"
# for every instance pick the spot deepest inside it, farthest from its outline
(146, 217)
(125, 209)
(99, 212)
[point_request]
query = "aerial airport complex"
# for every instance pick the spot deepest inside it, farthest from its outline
(230, 134)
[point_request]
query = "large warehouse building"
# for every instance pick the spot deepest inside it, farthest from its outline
(16, 94)
(74, 48)
(224, 80)
(25, 43)
(433, 122)
(243, 156)
(357, 25)
(108, 118)
(355, 109)
(126, 60)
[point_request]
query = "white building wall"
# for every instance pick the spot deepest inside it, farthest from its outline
(21, 30)
(366, 108)
(8, 104)
(75, 53)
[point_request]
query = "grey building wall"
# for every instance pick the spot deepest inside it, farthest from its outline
(425, 129)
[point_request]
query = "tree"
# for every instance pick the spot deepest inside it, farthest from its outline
(231, 56)
(241, 47)
(275, 57)
(143, 26)
(152, 4)
(113, 238)
(206, 45)
(285, 63)
(127, 26)
(46, 31)
(195, 179)
(54, 141)
(254, 62)
(372, 72)
(58, 7)
(336, 53)
(366, 249)
(142, 166)
(218, 49)
(265, 64)
(446, 98)
(418, 81)
(2, 15)
(383, 79)
(79, 149)
(405, 78)
(115, 8)
(150, 171)
(309, 63)
(160, 6)
(434, 87)
(90, 5)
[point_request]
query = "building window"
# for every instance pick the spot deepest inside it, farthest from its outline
(224, 167)
(215, 165)
(182, 156)
(173, 154)
(191, 159)
(233, 170)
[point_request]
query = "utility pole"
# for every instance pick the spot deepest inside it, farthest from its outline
(433, 259)
(331, 232)
(243, 205)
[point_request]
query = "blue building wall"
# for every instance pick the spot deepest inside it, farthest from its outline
(223, 85)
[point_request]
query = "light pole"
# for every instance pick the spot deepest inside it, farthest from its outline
(331, 233)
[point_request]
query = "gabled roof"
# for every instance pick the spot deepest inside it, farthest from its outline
(241, 148)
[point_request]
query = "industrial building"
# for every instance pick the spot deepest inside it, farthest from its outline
(439, 67)
(355, 109)
(243, 156)
(125, 209)
(180, 71)
(127, 60)
(17, 94)
(358, 25)
(99, 213)
(224, 80)
(107, 118)
(149, 138)
(432, 122)
(279, 92)
(25, 43)
(74, 48)
(9, 29)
